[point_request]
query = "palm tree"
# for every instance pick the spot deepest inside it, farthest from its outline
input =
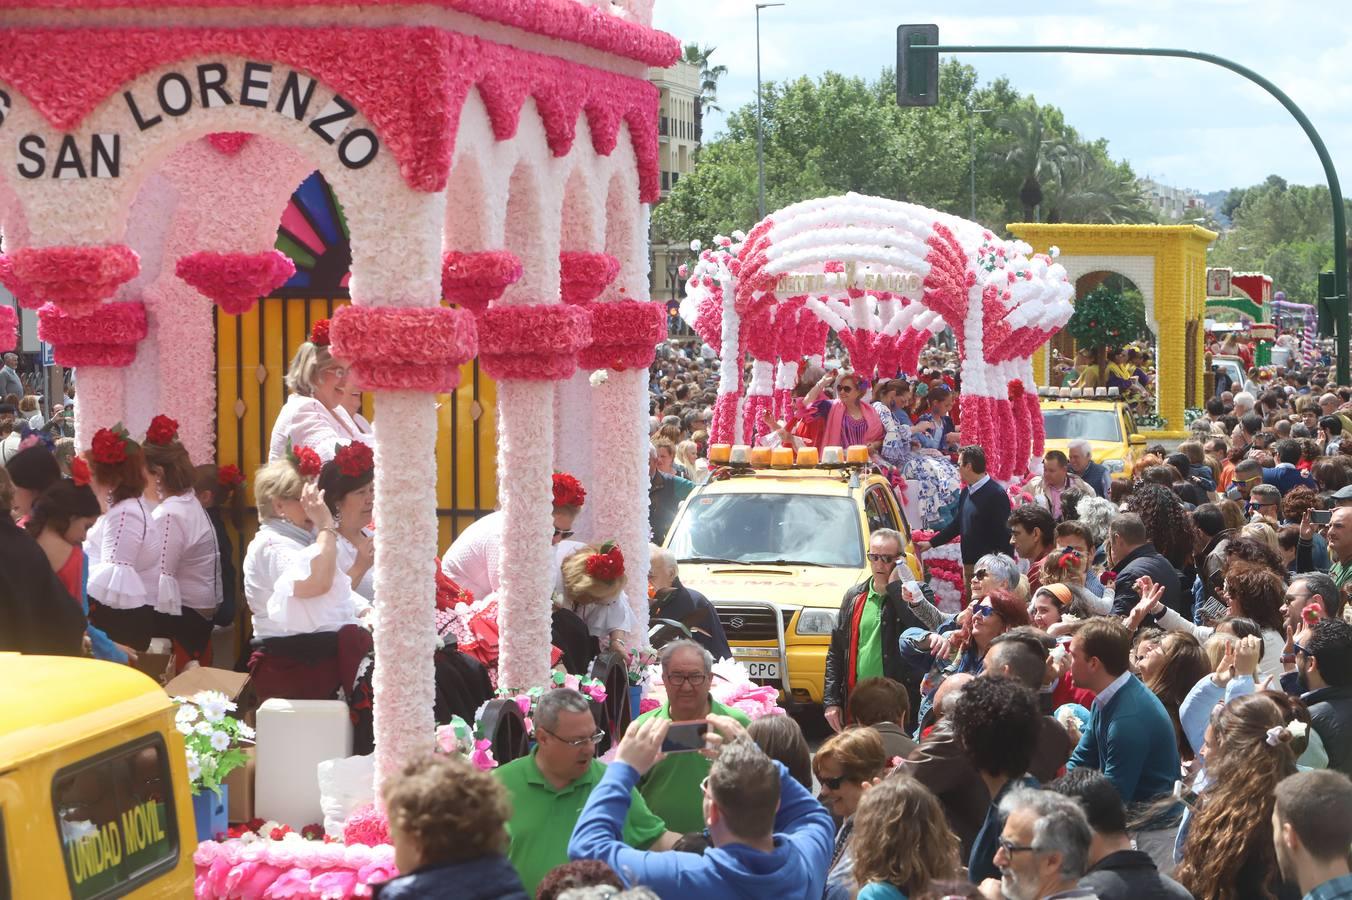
(1090, 191)
(1036, 153)
(708, 83)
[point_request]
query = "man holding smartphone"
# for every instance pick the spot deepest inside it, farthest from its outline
(671, 788)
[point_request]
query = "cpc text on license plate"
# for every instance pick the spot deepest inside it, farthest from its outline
(760, 669)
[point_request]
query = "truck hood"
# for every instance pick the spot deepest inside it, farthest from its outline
(813, 586)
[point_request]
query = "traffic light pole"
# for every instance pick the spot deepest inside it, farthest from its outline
(1339, 301)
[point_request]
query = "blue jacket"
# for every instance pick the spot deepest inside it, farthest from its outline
(1284, 478)
(1097, 477)
(1131, 740)
(485, 878)
(804, 839)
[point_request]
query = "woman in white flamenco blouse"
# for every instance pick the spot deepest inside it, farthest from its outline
(124, 545)
(313, 415)
(307, 620)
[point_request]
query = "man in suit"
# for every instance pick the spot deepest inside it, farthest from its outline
(1285, 475)
(983, 514)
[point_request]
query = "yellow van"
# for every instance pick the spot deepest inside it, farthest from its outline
(94, 796)
(775, 550)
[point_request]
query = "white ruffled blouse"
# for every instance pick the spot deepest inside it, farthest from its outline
(306, 422)
(190, 559)
(273, 564)
(347, 558)
(124, 556)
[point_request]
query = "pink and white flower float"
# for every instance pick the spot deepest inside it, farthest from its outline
(235, 281)
(886, 276)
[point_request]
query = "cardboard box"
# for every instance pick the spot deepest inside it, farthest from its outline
(241, 784)
(235, 685)
(158, 666)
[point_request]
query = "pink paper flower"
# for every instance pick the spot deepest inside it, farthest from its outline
(229, 142)
(534, 342)
(335, 884)
(368, 826)
(235, 281)
(405, 348)
(583, 276)
(473, 280)
(107, 336)
(9, 324)
(22, 292)
(625, 335)
(76, 279)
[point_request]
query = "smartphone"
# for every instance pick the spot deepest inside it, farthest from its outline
(685, 737)
(1321, 516)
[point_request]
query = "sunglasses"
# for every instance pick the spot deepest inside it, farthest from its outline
(845, 389)
(678, 678)
(980, 573)
(560, 533)
(882, 557)
(832, 783)
(985, 612)
(1299, 649)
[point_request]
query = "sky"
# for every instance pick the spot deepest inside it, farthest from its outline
(1185, 123)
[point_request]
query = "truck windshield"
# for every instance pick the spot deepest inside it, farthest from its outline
(809, 529)
(1082, 424)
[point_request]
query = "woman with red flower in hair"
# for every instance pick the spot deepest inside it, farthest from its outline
(348, 483)
(313, 416)
(124, 544)
(591, 584)
(190, 587)
(472, 559)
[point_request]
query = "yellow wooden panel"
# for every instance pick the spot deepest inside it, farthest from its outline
(269, 336)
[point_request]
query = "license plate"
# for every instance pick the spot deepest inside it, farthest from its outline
(758, 669)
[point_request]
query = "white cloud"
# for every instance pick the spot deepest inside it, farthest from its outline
(1197, 124)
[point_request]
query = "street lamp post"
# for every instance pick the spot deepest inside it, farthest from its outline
(971, 140)
(760, 138)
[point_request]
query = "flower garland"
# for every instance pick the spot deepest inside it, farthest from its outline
(624, 335)
(457, 737)
(405, 348)
(583, 276)
(528, 700)
(473, 280)
(235, 281)
(106, 336)
(252, 866)
(536, 342)
(9, 325)
(946, 577)
(162, 431)
(76, 279)
(22, 292)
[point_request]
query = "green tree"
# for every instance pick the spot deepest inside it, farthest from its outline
(1035, 151)
(1108, 318)
(709, 76)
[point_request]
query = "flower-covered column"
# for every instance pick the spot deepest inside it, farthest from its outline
(402, 344)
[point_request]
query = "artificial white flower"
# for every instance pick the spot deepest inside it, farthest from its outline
(245, 731)
(1297, 728)
(220, 741)
(695, 245)
(194, 770)
(739, 235)
(1055, 252)
(183, 727)
(186, 713)
(203, 728)
(214, 705)
(598, 378)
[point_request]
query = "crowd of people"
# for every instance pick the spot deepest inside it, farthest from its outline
(1147, 694)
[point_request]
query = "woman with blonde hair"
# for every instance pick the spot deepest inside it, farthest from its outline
(901, 841)
(314, 416)
(1261, 531)
(591, 584)
(687, 452)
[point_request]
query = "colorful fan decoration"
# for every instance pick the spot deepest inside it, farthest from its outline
(314, 234)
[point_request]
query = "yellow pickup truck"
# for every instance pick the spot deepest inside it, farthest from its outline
(775, 551)
(94, 796)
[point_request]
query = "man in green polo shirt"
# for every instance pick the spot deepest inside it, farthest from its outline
(550, 786)
(672, 787)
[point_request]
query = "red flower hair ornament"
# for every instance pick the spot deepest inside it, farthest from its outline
(354, 459)
(319, 333)
(568, 491)
(608, 565)
(111, 445)
(306, 461)
(79, 471)
(229, 476)
(162, 431)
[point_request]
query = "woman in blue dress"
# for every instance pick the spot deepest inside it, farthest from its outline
(932, 482)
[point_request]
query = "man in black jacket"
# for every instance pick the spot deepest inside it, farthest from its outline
(1213, 538)
(673, 600)
(983, 514)
(1132, 556)
(866, 642)
(1324, 663)
(36, 613)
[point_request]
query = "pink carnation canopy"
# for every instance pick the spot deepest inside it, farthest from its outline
(885, 276)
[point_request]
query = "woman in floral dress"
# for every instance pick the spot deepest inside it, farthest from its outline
(932, 482)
